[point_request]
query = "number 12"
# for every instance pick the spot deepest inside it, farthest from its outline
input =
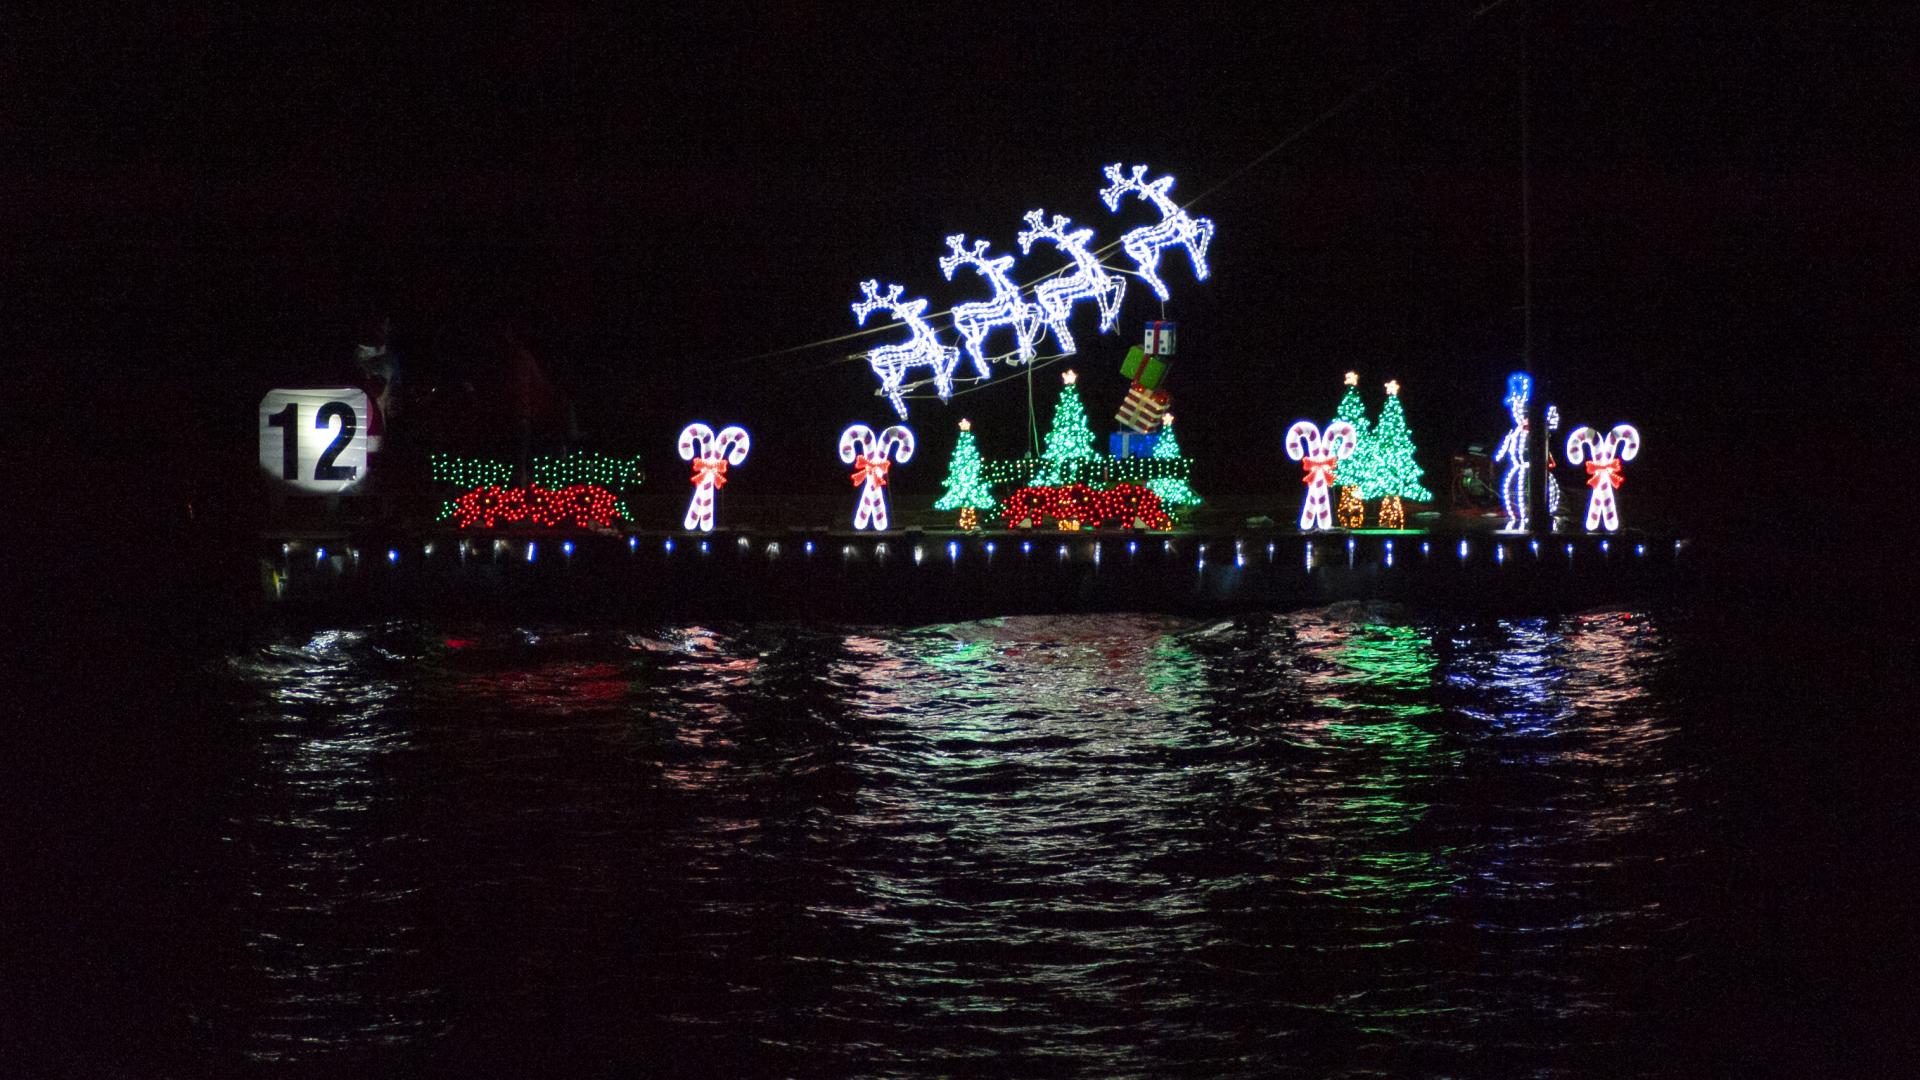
(287, 420)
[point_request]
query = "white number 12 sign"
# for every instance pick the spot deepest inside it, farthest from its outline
(315, 440)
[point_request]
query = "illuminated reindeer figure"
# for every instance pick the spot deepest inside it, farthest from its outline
(1007, 308)
(710, 454)
(922, 347)
(1089, 279)
(1320, 453)
(1175, 229)
(1603, 455)
(869, 455)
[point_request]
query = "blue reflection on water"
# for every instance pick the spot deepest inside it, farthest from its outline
(1123, 842)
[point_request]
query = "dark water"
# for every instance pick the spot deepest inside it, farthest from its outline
(1349, 842)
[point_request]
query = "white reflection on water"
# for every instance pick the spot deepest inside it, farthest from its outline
(1350, 827)
(324, 802)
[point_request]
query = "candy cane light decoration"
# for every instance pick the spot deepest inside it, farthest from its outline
(1319, 453)
(871, 457)
(1603, 455)
(710, 455)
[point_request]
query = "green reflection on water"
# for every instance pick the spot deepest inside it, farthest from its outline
(1381, 683)
(1173, 667)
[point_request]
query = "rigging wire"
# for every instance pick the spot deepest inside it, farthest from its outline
(943, 319)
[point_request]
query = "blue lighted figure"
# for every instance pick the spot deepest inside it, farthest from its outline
(1513, 450)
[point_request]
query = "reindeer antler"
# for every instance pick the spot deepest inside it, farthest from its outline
(1119, 185)
(873, 302)
(1055, 231)
(961, 256)
(1116, 188)
(1040, 230)
(1036, 229)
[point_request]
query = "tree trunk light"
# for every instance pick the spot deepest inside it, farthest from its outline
(1352, 511)
(1392, 514)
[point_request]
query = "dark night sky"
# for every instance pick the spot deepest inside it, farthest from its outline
(215, 199)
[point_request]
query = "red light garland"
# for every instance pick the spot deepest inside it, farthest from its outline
(578, 505)
(1122, 503)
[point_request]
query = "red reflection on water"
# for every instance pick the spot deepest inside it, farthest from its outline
(559, 684)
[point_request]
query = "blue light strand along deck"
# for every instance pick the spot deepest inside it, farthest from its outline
(741, 574)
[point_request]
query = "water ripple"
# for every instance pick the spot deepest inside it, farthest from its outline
(1347, 842)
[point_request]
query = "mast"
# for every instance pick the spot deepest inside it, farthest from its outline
(1537, 475)
(1526, 210)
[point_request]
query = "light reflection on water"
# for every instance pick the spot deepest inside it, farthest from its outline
(1339, 842)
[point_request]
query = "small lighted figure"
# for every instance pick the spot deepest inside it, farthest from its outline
(1553, 483)
(1319, 454)
(872, 456)
(1513, 451)
(1175, 228)
(1088, 281)
(1007, 308)
(1603, 455)
(710, 455)
(921, 349)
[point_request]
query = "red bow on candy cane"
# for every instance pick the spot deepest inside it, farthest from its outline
(1604, 472)
(1319, 468)
(710, 468)
(871, 472)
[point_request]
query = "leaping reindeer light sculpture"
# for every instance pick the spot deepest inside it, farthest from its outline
(1175, 228)
(1007, 308)
(922, 347)
(1089, 280)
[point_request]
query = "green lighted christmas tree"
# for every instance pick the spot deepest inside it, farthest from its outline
(1352, 474)
(1175, 494)
(1068, 441)
(966, 492)
(1391, 473)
